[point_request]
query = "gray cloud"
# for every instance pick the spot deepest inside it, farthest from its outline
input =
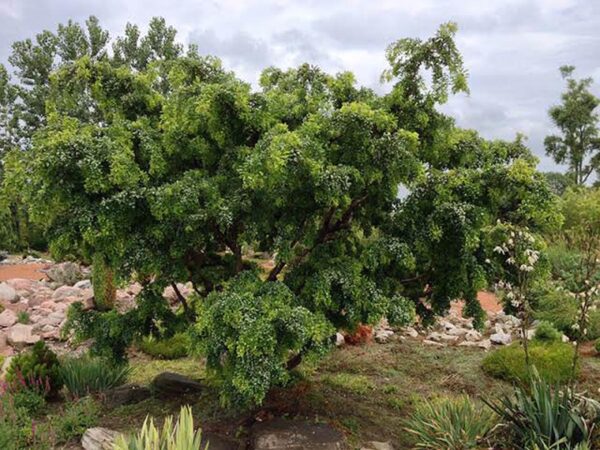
(512, 48)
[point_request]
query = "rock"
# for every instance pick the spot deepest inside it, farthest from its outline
(280, 434)
(99, 438)
(339, 339)
(217, 442)
(5, 349)
(449, 338)
(456, 331)
(21, 335)
(374, 445)
(65, 274)
(472, 335)
(486, 344)
(23, 284)
(411, 332)
(66, 291)
(382, 336)
(500, 338)
(7, 318)
(8, 294)
(435, 336)
(564, 338)
(446, 325)
(83, 284)
(174, 384)
(435, 343)
(126, 395)
(529, 333)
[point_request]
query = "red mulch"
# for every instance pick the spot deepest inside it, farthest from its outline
(27, 271)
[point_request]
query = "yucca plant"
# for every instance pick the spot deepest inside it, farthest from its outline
(178, 436)
(452, 424)
(89, 375)
(547, 417)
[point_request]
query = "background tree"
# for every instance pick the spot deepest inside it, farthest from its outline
(579, 142)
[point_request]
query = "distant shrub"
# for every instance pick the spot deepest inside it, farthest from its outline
(552, 360)
(180, 435)
(543, 416)
(37, 368)
(88, 375)
(545, 332)
(452, 424)
(177, 346)
(554, 305)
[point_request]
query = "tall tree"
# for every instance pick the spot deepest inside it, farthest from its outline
(578, 144)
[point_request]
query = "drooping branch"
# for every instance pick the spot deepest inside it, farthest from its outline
(186, 307)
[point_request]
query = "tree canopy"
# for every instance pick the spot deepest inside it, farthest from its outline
(169, 167)
(578, 145)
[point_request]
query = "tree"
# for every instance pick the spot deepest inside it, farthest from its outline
(559, 182)
(174, 165)
(579, 142)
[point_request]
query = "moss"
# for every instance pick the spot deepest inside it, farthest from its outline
(357, 384)
(552, 360)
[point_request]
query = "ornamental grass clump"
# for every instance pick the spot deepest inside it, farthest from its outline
(89, 375)
(452, 424)
(173, 436)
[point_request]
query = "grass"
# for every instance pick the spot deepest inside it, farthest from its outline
(368, 391)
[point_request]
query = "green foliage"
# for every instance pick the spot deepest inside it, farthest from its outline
(168, 166)
(28, 399)
(552, 361)
(357, 384)
(559, 182)
(553, 304)
(173, 436)
(16, 427)
(248, 332)
(597, 346)
(545, 332)
(105, 291)
(453, 424)
(23, 317)
(37, 368)
(175, 347)
(88, 375)
(576, 118)
(73, 420)
(547, 417)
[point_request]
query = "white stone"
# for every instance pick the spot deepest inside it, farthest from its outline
(500, 338)
(374, 445)
(456, 331)
(382, 336)
(21, 335)
(564, 338)
(411, 332)
(434, 336)
(430, 342)
(66, 291)
(472, 335)
(99, 438)
(339, 339)
(7, 318)
(83, 284)
(8, 293)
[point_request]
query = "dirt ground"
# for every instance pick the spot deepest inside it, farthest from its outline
(27, 271)
(489, 303)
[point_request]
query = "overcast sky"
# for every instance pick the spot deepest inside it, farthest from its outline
(512, 49)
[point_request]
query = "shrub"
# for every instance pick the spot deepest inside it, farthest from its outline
(38, 365)
(23, 317)
(555, 305)
(453, 424)
(545, 332)
(545, 417)
(87, 375)
(15, 424)
(174, 347)
(105, 291)
(74, 420)
(552, 360)
(597, 346)
(180, 435)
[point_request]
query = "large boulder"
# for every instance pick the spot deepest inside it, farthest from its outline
(8, 294)
(280, 434)
(127, 394)
(7, 318)
(66, 273)
(500, 338)
(66, 291)
(21, 335)
(99, 438)
(170, 383)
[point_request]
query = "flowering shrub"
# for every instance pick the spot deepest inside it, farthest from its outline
(37, 369)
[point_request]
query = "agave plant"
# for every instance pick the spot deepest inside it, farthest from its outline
(178, 436)
(453, 424)
(547, 417)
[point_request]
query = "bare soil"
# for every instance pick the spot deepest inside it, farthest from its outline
(28, 271)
